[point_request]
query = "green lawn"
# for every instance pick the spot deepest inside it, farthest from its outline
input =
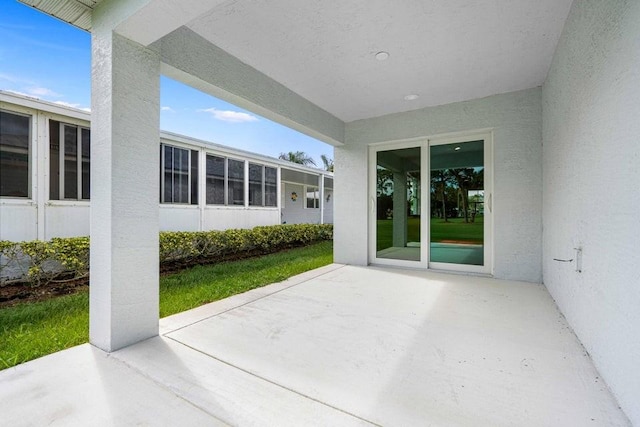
(455, 229)
(31, 330)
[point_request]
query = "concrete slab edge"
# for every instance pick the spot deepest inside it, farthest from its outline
(181, 320)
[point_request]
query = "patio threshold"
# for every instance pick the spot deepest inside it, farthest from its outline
(341, 345)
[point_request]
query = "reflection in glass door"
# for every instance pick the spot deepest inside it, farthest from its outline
(457, 203)
(398, 204)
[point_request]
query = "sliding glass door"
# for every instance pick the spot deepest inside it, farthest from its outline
(458, 237)
(431, 204)
(398, 199)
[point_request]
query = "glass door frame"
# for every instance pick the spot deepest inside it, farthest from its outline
(487, 267)
(425, 197)
(424, 203)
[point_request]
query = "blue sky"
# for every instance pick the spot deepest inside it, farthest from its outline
(48, 59)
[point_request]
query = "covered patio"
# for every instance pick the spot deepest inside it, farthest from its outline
(341, 345)
(550, 88)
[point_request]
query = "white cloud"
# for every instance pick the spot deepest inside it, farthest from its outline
(42, 91)
(14, 79)
(19, 93)
(230, 116)
(62, 103)
(169, 109)
(71, 105)
(67, 104)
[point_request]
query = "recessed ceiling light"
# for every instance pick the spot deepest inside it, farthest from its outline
(382, 55)
(457, 148)
(411, 97)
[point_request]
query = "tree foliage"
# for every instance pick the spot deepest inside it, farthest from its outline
(450, 187)
(38, 262)
(327, 162)
(299, 157)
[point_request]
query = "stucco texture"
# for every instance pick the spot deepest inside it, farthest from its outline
(125, 98)
(515, 119)
(591, 104)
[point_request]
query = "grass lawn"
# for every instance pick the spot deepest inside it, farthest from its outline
(455, 229)
(384, 238)
(32, 330)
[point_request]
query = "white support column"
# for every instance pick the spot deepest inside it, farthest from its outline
(399, 209)
(124, 192)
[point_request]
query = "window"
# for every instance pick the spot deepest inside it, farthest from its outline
(312, 197)
(85, 162)
(263, 188)
(179, 182)
(227, 177)
(15, 136)
(235, 182)
(270, 186)
(255, 184)
(216, 177)
(194, 177)
(69, 161)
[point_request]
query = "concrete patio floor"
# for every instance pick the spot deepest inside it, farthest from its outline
(336, 346)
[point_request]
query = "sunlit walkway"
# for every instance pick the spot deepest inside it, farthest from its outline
(336, 346)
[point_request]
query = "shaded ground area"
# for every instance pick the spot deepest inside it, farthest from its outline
(342, 345)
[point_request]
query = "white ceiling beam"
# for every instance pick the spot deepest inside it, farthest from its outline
(157, 18)
(188, 57)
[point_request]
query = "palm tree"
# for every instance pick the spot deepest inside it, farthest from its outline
(476, 182)
(299, 157)
(440, 180)
(462, 177)
(328, 163)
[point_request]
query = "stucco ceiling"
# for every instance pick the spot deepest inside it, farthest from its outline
(443, 51)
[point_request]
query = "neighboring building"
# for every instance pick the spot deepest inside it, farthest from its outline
(45, 179)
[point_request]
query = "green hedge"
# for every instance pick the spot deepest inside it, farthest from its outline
(38, 262)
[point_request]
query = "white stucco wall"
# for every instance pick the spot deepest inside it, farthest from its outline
(66, 219)
(224, 218)
(516, 121)
(18, 221)
(591, 134)
(294, 212)
(328, 206)
(179, 218)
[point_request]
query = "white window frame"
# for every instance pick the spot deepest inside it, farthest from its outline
(262, 184)
(316, 198)
(61, 162)
(245, 183)
(225, 180)
(246, 163)
(30, 153)
(162, 184)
